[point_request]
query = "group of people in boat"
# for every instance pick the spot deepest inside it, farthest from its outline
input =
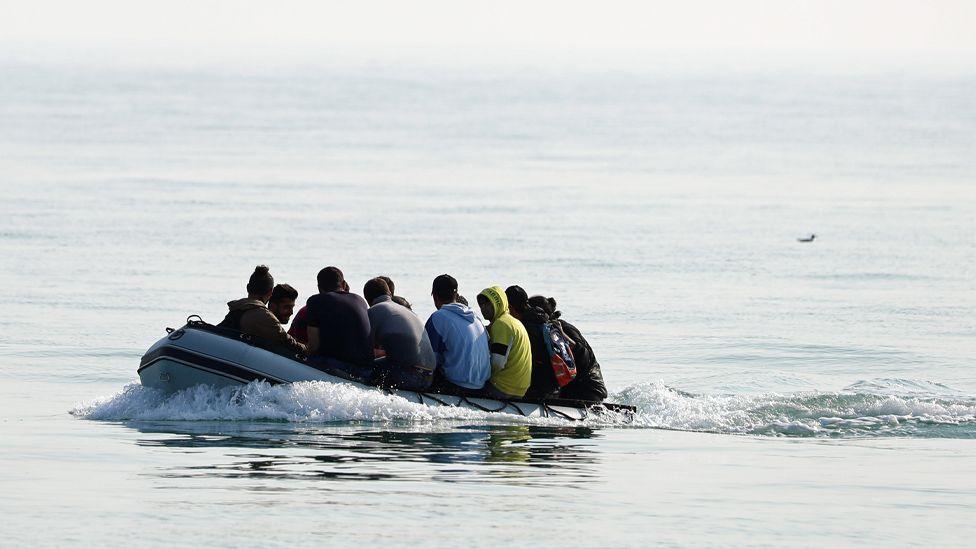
(526, 352)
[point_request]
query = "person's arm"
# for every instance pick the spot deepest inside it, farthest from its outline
(262, 323)
(436, 341)
(266, 325)
(312, 326)
(499, 354)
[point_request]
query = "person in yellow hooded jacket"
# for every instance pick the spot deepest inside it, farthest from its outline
(511, 352)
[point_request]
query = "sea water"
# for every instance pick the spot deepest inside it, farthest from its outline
(788, 393)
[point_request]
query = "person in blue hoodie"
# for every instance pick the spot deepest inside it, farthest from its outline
(458, 338)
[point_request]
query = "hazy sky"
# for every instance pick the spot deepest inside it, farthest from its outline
(202, 29)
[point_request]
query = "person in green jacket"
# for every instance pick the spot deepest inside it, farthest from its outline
(511, 353)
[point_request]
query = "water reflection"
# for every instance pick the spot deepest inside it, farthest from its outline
(511, 454)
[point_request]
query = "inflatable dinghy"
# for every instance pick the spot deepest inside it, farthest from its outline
(203, 354)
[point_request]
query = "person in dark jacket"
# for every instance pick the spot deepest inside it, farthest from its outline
(588, 384)
(252, 316)
(338, 327)
(543, 384)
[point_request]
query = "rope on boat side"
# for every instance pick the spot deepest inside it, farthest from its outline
(564, 415)
(516, 406)
(483, 408)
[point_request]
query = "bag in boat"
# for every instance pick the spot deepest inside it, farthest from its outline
(560, 352)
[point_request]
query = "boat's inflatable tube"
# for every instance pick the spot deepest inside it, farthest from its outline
(202, 354)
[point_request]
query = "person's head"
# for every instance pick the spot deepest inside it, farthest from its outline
(493, 303)
(399, 300)
(389, 284)
(282, 302)
(375, 287)
(330, 279)
(444, 290)
(260, 284)
(462, 300)
(547, 304)
(487, 310)
(517, 300)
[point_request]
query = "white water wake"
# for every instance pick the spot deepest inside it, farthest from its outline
(865, 409)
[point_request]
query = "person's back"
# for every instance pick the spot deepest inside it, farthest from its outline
(543, 383)
(338, 325)
(236, 310)
(511, 355)
(408, 360)
(588, 383)
(400, 334)
(343, 326)
(457, 337)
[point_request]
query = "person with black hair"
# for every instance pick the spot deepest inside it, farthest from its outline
(282, 302)
(409, 360)
(396, 299)
(338, 327)
(459, 340)
(511, 353)
(588, 384)
(543, 383)
(252, 316)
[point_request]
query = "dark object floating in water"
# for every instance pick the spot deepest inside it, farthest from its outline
(807, 239)
(203, 354)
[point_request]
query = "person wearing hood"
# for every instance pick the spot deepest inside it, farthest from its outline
(511, 352)
(252, 316)
(458, 338)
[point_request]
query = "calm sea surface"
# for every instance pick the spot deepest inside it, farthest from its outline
(788, 393)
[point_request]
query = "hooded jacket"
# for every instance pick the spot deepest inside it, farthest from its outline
(395, 329)
(460, 344)
(252, 316)
(511, 352)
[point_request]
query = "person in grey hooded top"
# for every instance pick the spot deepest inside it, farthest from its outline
(458, 338)
(409, 360)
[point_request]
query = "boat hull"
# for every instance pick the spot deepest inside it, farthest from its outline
(200, 354)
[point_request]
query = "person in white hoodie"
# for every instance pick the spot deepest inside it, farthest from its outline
(459, 340)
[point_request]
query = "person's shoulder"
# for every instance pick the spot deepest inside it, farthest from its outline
(567, 326)
(511, 323)
(258, 315)
(378, 310)
(354, 300)
(438, 316)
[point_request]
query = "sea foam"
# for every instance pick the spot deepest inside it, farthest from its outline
(846, 413)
